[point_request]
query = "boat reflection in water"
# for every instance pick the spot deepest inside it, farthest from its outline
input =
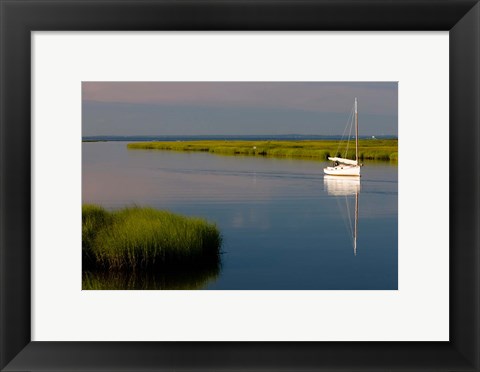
(348, 187)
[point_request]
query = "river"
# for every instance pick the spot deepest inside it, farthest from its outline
(284, 225)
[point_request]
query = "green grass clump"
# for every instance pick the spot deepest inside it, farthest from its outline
(142, 238)
(370, 149)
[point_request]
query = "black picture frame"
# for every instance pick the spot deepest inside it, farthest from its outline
(18, 18)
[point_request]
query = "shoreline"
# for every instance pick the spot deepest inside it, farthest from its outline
(370, 149)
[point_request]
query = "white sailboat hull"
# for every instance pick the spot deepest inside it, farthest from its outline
(343, 166)
(343, 170)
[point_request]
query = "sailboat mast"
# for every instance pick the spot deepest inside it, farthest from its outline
(356, 225)
(356, 131)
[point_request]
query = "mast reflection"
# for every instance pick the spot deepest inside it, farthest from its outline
(345, 186)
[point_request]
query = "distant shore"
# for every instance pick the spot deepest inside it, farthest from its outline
(227, 137)
(369, 149)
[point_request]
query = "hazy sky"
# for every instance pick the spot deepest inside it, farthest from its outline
(243, 108)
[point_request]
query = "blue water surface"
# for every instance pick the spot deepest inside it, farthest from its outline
(284, 225)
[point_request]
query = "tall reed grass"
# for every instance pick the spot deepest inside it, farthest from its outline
(143, 238)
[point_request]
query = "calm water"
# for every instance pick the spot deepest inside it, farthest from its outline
(284, 225)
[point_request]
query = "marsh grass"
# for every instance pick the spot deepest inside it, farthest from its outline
(370, 149)
(94, 219)
(145, 238)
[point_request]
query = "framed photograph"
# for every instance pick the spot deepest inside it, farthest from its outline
(222, 151)
(239, 185)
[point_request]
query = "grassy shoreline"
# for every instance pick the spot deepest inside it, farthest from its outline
(146, 238)
(369, 149)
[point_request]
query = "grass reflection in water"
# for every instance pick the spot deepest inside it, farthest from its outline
(175, 277)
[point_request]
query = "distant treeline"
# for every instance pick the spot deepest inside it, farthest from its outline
(230, 137)
(369, 149)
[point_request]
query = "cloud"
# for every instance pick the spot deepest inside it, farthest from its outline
(378, 98)
(101, 118)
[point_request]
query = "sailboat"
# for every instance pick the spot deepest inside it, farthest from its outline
(343, 166)
(347, 187)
